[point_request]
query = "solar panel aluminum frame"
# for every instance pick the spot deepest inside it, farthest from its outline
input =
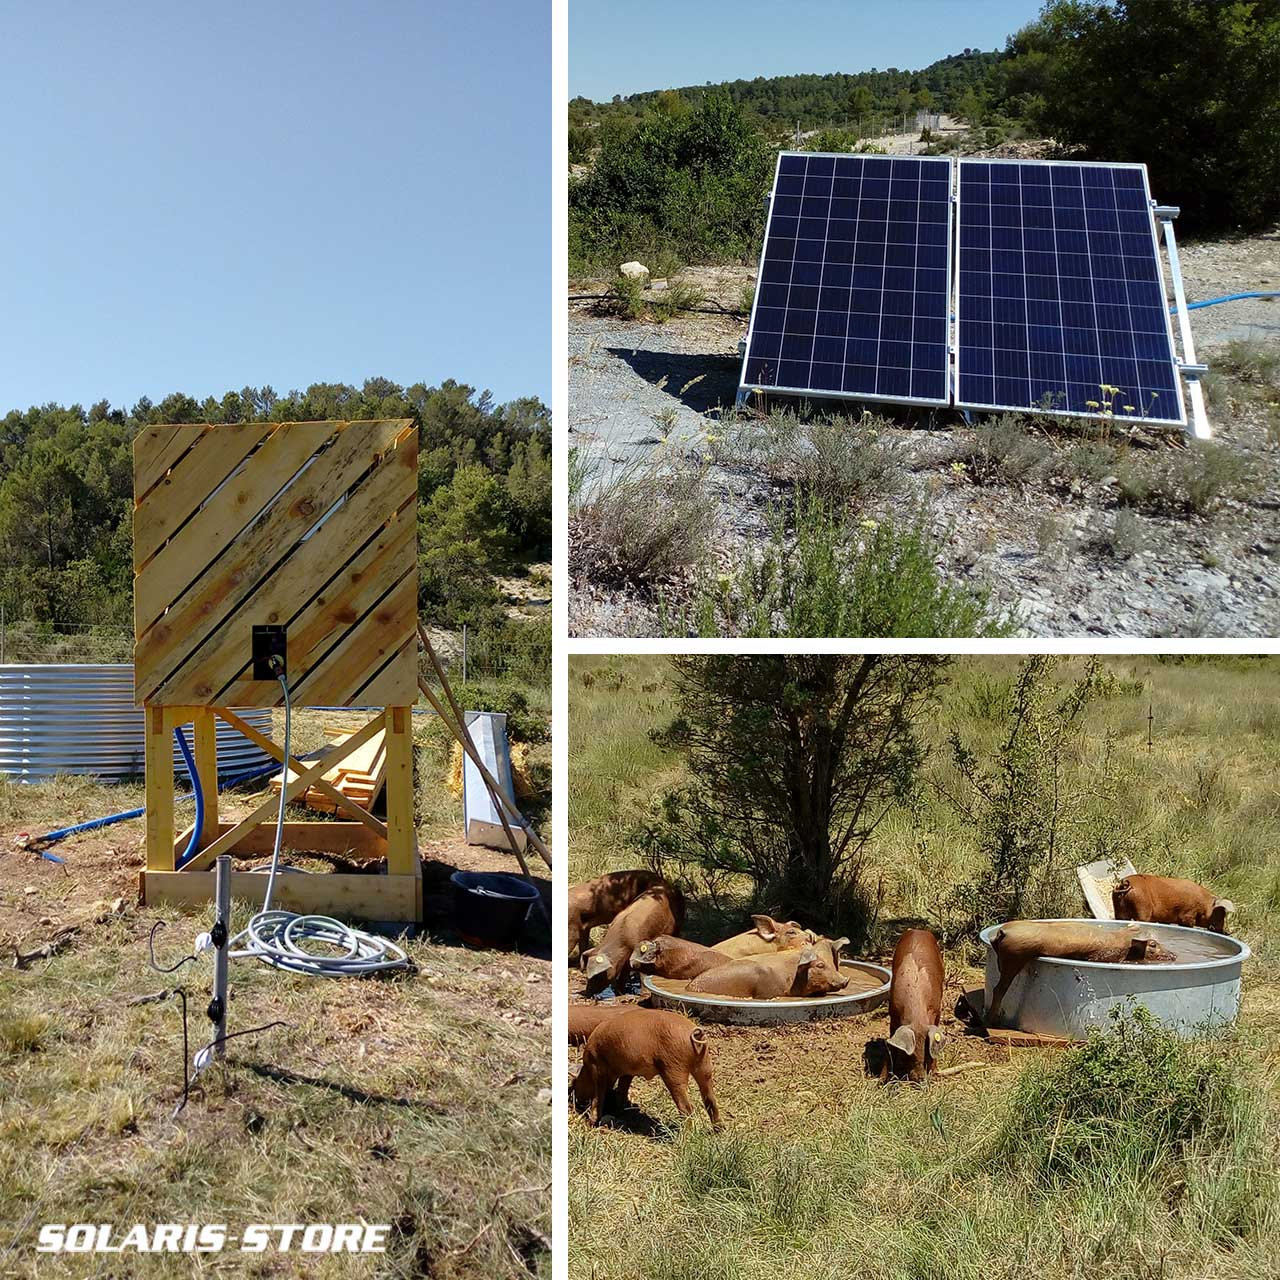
(1181, 420)
(745, 389)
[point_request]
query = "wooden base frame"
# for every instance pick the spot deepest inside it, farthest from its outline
(395, 895)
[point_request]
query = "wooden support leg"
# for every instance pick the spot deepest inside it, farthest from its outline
(159, 791)
(401, 844)
(205, 732)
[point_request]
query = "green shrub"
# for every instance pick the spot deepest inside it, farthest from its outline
(1140, 1106)
(829, 579)
(838, 460)
(1208, 78)
(692, 182)
(1123, 539)
(1001, 452)
(1190, 481)
(508, 698)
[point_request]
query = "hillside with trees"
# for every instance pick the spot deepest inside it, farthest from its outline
(66, 498)
(1189, 87)
(819, 101)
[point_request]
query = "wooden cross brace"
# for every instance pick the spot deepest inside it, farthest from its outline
(305, 777)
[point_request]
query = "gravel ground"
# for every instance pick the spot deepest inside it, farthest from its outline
(636, 388)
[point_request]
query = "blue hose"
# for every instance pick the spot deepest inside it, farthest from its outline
(93, 824)
(194, 774)
(1230, 297)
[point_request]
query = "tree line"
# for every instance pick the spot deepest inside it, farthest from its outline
(1191, 88)
(66, 498)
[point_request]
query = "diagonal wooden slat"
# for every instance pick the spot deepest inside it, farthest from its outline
(215, 455)
(212, 665)
(298, 766)
(156, 449)
(220, 522)
(218, 595)
(366, 648)
(386, 688)
(339, 606)
(228, 839)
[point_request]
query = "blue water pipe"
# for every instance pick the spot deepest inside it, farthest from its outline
(1229, 297)
(194, 774)
(93, 824)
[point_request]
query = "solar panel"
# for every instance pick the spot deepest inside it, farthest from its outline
(853, 294)
(1061, 304)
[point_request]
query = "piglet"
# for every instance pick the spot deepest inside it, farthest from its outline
(645, 1043)
(915, 1005)
(656, 911)
(678, 958)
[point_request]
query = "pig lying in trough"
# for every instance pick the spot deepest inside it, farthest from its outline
(800, 971)
(598, 901)
(668, 957)
(657, 911)
(645, 1043)
(1019, 943)
(1162, 900)
(769, 935)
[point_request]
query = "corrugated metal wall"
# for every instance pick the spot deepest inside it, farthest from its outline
(69, 718)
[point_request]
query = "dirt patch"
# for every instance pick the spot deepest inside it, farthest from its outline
(751, 1061)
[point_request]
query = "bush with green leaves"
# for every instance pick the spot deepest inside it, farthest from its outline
(1188, 87)
(690, 181)
(1002, 451)
(828, 577)
(1037, 807)
(1188, 481)
(646, 523)
(1142, 1108)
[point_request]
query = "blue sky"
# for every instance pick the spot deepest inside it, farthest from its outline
(668, 44)
(199, 197)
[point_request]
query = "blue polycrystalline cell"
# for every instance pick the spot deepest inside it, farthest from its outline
(1061, 303)
(852, 295)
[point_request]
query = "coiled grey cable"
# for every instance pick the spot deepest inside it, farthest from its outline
(278, 938)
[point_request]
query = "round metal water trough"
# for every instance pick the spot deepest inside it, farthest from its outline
(1199, 990)
(80, 718)
(874, 987)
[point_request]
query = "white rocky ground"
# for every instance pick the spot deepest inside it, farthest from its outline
(636, 387)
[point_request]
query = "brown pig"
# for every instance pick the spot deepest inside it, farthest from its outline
(669, 957)
(768, 935)
(645, 1043)
(800, 971)
(915, 1005)
(585, 1018)
(1020, 942)
(596, 902)
(656, 911)
(1163, 900)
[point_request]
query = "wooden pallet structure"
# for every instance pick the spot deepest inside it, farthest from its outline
(359, 777)
(306, 526)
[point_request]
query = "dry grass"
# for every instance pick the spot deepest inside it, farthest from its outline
(419, 1101)
(821, 1170)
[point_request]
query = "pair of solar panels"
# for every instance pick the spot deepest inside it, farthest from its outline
(1054, 282)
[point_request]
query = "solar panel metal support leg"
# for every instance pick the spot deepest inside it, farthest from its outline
(1198, 420)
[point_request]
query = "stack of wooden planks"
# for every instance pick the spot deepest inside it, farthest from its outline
(359, 777)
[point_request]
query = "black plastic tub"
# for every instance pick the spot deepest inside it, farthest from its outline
(490, 907)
